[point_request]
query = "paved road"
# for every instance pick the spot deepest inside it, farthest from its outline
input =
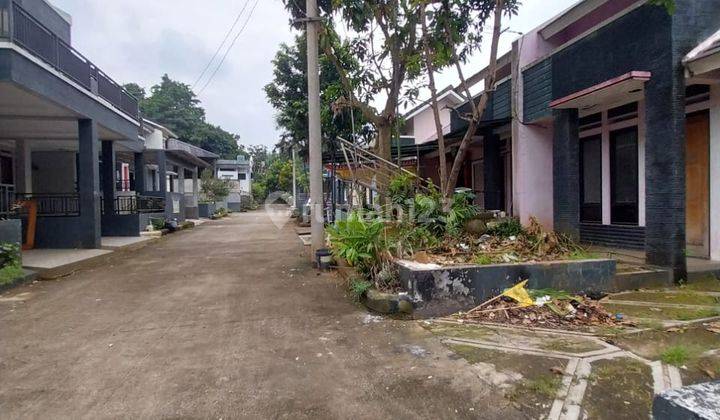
(226, 321)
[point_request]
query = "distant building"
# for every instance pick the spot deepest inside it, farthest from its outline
(239, 172)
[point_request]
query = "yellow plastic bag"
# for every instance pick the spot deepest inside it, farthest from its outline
(519, 294)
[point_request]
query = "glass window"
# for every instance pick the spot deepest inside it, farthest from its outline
(242, 176)
(624, 176)
(590, 121)
(591, 179)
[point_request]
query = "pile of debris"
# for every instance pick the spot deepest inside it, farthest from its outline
(533, 244)
(541, 308)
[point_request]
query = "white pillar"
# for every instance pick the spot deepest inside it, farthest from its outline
(715, 174)
(316, 182)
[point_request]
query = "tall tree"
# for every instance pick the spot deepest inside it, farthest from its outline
(287, 93)
(382, 36)
(457, 32)
(174, 105)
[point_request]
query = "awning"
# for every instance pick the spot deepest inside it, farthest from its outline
(704, 60)
(606, 92)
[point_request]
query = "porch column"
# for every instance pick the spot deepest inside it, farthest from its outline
(181, 180)
(566, 172)
(23, 167)
(493, 174)
(140, 180)
(195, 181)
(665, 169)
(89, 184)
(108, 177)
(162, 172)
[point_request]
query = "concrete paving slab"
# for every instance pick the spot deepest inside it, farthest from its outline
(39, 259)
(114, 243)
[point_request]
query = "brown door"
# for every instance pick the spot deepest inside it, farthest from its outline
(697, 180)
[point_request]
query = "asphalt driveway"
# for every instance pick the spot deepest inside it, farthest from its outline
(228, 320)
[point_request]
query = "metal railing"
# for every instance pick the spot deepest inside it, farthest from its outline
(7, 200)
(139, 204)
(29, 33)
(54, 205)
(125, 185)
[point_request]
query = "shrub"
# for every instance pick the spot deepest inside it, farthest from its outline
(157, 223)
(401, 189)
(461, 210)
(358, 288)
(214, 189)
(358, 241)
(506, 228)
(675, 355)
(11, 268)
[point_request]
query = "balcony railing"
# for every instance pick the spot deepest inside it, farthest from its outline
(54, 205)
(139, 204)
(32, 35)
(7, 200)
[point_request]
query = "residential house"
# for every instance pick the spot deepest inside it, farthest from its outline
(172, 171)
(62, 122)
(605, 125)
(239, 172)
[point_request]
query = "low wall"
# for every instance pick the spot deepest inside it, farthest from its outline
(206, 210)
(465, 286)
(11, 231)
(58, 232)
(192, 213)
(121, 225)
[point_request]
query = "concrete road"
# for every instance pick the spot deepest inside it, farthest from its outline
(225, 321)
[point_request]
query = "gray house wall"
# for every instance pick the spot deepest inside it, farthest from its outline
(53, 172)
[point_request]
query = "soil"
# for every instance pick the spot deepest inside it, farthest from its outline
(528, 381)
(619, 388)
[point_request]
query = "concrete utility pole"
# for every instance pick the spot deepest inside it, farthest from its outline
(317, 226)
(294, 158)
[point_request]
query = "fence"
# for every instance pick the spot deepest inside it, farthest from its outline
(43, 43)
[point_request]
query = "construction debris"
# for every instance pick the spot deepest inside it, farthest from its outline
(540, 308)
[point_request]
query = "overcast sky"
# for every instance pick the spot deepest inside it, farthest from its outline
(140, 40)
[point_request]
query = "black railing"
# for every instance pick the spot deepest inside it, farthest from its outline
(139, 204)
(43, 43)
(54, 205)
(7, 200)
(125, 185)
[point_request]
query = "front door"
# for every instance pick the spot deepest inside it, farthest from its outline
(697, 178)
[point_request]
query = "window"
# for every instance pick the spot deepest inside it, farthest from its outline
(623, 113)
(624, 176)
(590, 121)
(591, 179)
(6, 170)
(153, 180)
(242, 176)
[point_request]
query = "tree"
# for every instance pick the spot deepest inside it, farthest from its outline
(135, 90)
(457, 32)
(214, 189)
(382, 37)
(287, 93)
(174, 105)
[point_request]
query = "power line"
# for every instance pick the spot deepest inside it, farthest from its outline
(222, 44)
(212, 76)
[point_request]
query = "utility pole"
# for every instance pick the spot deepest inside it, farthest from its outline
(294, 158)
(317, 223)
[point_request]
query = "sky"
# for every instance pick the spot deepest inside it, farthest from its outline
(140, 40)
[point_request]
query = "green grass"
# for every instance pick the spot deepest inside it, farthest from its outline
(675, 355)
(358, 288)
(545, 386)
(483, 259)
(581, 254)
(10, 273)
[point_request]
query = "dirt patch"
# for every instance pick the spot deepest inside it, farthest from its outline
(518, 338)
(677, 314)
(619, 386)
(528, 381)
(685, 297)
(685, 348)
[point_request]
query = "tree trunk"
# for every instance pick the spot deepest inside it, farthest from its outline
(478, 110)
(384, 142)
(434, 104)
